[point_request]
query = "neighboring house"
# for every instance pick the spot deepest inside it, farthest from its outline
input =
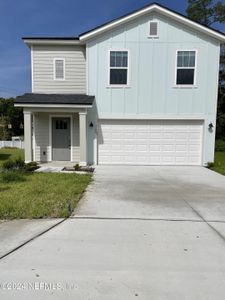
(139, 90)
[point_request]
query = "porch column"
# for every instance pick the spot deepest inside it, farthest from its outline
(83, 138)
(28, 135)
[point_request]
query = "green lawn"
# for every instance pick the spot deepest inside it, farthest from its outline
(12, 153)
(38, 195)
(219, 165)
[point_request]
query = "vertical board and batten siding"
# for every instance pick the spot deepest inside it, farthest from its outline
(42, 138)
(43, 69)
(152, 89)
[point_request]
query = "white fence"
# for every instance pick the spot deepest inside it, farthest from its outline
(17, 144)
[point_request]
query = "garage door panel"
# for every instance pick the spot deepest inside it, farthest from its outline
(150, 142)
(142, 148)
(155, 135)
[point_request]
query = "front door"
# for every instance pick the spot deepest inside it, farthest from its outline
(61, 140)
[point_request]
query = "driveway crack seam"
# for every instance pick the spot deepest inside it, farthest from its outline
(141, 219)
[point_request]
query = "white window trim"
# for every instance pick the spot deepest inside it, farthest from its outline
(32, 68)
(153, 36)
(128, 68)
(64, 69)
(195, 68)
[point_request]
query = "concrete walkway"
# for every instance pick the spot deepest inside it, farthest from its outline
(54, 167)
(15, 233)
(139, 233)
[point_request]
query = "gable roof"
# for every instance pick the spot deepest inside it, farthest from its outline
(154, 7)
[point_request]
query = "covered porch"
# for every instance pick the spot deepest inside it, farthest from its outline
(55, 127)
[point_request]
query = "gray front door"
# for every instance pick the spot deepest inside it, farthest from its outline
(61, 140)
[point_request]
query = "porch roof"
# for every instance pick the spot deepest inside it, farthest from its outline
(61, 99)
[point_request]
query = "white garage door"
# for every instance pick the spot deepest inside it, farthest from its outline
(150, 142)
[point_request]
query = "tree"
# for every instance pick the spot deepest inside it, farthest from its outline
(11, 119)
(206, 12)
(220, 132)
(209, 12)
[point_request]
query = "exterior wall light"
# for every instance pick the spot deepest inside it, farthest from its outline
(211, 126)
(91, 125)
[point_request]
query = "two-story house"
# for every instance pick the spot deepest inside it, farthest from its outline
(141, 89)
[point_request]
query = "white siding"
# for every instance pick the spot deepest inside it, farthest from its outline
(41, 140)
(43, 69)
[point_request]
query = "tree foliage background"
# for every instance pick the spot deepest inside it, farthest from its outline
(209, 12)
(11, 119)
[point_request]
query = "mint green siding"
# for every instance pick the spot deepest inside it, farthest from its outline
(152, 90)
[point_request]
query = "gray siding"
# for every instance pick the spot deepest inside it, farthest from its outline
(43, 69)
(42, 138)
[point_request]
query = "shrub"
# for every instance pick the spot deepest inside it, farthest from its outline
(210, 165)
(31, 166)
(17, 164)
(12, 176)
(8, 164)
(77, 167)
(220, 145)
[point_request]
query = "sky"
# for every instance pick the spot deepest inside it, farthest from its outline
(53, 18)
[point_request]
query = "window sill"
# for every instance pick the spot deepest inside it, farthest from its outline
(153, 37)
(185, 87)
(118, 86)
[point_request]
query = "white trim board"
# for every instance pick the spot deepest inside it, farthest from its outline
(153, 8)
(30, 42)
(151, 117)
(32, 69)
(52, 105)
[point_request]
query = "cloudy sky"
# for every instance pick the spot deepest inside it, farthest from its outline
(53, 18)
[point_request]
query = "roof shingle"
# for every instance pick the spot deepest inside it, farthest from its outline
(73, 99)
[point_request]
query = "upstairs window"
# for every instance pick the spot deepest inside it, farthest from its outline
(153, 29)
(186, 68)
(59, 69)
(118, 68)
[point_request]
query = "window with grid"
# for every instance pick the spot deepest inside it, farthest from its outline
(186, 67)
(59, 69)
(118, 68)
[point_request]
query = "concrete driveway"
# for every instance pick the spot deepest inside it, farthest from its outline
(170, 193)
(139, 233)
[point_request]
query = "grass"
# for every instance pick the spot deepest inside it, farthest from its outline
(39, 195)
(219, 164)
(10, 153)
